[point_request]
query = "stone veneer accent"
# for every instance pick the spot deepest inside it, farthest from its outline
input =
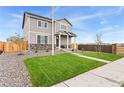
(40, 47)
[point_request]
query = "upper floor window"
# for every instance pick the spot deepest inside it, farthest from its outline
(45, 25)
(39, 23)
(62, 27)
(42, 24)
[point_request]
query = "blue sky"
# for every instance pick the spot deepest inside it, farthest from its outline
(87, 21)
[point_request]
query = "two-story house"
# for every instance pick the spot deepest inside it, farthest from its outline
(38, 32)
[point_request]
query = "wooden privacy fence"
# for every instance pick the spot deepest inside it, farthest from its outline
(1, 46)
(92, 47)
(74, 46)
(118, 49)
(13, 47)
(110, 48)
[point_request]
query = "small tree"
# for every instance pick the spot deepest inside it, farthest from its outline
(98, 42)
(17, 38)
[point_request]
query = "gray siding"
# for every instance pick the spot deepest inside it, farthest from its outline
(33, 38)
(34, 30)
(58, 24)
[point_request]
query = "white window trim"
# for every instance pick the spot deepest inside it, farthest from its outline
(41, 26)
(64, 25)
(41, 42)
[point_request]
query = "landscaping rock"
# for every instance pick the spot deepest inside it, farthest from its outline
(13, 72)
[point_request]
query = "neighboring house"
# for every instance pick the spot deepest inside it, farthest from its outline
(38, 30)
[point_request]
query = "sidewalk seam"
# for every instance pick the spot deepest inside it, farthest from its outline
(66, 84)
(111, 80)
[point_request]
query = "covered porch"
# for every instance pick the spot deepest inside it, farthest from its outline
(63, 39)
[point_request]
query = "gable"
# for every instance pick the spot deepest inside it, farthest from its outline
(65, 21)
(35, 17)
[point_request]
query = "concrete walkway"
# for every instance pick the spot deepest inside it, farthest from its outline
(92, 58)
(110, 75)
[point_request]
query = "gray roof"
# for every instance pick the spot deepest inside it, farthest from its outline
(65, 33)
(33, 15)
(65, 20)
(40, 17)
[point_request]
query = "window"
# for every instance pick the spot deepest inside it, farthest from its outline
(46, 39)
(63, 27)
(42, 39)
(45, 25)
(38, 39)
(42, 24)
(39, 23)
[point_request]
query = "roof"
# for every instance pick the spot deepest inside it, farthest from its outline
(35, 15)
(65, 33)
(65, 20)
(72, 34)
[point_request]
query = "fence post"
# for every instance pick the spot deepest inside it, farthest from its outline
(114, 48)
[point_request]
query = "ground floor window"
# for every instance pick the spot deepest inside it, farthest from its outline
(42, 39)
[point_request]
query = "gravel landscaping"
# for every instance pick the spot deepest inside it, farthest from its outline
(13, 72)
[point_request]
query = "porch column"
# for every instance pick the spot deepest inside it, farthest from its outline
(29, 40)
(74, 40)
(55, 40)
(75, 47)
(59, 41)
(67, 41)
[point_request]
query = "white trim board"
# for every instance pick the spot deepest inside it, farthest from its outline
(40, 33)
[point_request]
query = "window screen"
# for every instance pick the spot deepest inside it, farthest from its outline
(38, 39)
(63, 27)
(39, 23)
(42, 39)
(42, 24)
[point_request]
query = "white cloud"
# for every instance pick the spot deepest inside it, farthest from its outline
(18, 16)
(98, 14)
(87, 17)
(112, 34)
(104, 22)
(109, 29)
(120, 10)
(56, 8)
(14, 25)
(0, 32)
(84, 37)
(114, 37)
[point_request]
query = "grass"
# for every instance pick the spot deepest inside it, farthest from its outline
(49, 70)
(122, 85)
(105, 56)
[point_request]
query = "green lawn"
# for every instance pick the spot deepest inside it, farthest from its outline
(105, 56)
(49, 70)
(123, 85)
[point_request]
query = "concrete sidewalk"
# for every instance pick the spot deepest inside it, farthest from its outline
(92, 58)
(110, 75)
